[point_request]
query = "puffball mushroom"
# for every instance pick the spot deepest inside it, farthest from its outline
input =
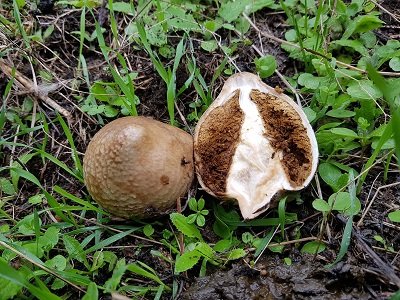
(138, 167)
(253, 143)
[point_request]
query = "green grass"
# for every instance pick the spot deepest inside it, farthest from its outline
(55, 242)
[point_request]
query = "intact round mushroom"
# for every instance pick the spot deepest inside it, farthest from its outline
(252, 144)
(138, 167)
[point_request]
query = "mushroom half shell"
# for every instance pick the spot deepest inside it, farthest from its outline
(253, 143)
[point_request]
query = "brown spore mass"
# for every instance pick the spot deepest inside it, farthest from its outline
(286, 133)
(218, 137)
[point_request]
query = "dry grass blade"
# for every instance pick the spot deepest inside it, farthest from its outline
(302, 240)
(385, 10)
(28, 86)
(360, 222)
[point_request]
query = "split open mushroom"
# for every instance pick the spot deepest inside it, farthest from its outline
(253, 143)
(138, 167)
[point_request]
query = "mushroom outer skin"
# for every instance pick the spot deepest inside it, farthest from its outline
(252, 144)
(137, 167)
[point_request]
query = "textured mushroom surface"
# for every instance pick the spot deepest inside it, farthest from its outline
(138, 167)
(253, 143)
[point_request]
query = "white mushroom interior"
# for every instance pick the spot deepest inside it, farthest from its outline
(256, 173)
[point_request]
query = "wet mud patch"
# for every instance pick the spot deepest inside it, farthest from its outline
(272, 279)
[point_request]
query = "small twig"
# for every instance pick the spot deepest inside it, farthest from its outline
(302, 221)
(27, 84)
(117, 296)
(372, 187)
(183, 118)
(383, 249)
(61, 144)
(384, 269)
(324, 223)
(307, 239)
(385, 10)
(218, 40)
(276, 39)
(310, 238)
(379, 160)
(396, 257)
(372, 200)
(287, 83)
(52, 217)
(127, 247)
(318, 187)
(291, 88)
(391, 226)
(33, 121)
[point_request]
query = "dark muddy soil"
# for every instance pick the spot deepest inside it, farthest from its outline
(304, 279)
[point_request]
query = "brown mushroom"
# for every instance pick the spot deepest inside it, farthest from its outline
(253, 143)
(138, 167)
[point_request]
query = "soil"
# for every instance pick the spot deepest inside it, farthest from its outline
(271, 279)
(368, 271)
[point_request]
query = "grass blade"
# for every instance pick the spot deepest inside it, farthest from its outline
(135, 268)
(75, 157)
(154, 59)
(345, 243)
(92, 292)
(85, 204)
(109, 241)
(126, 88)
(389, 93)
(21, 29)
(265, 242)
(9, 273)
(282, 216)
(387, 134)
(50, 199)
